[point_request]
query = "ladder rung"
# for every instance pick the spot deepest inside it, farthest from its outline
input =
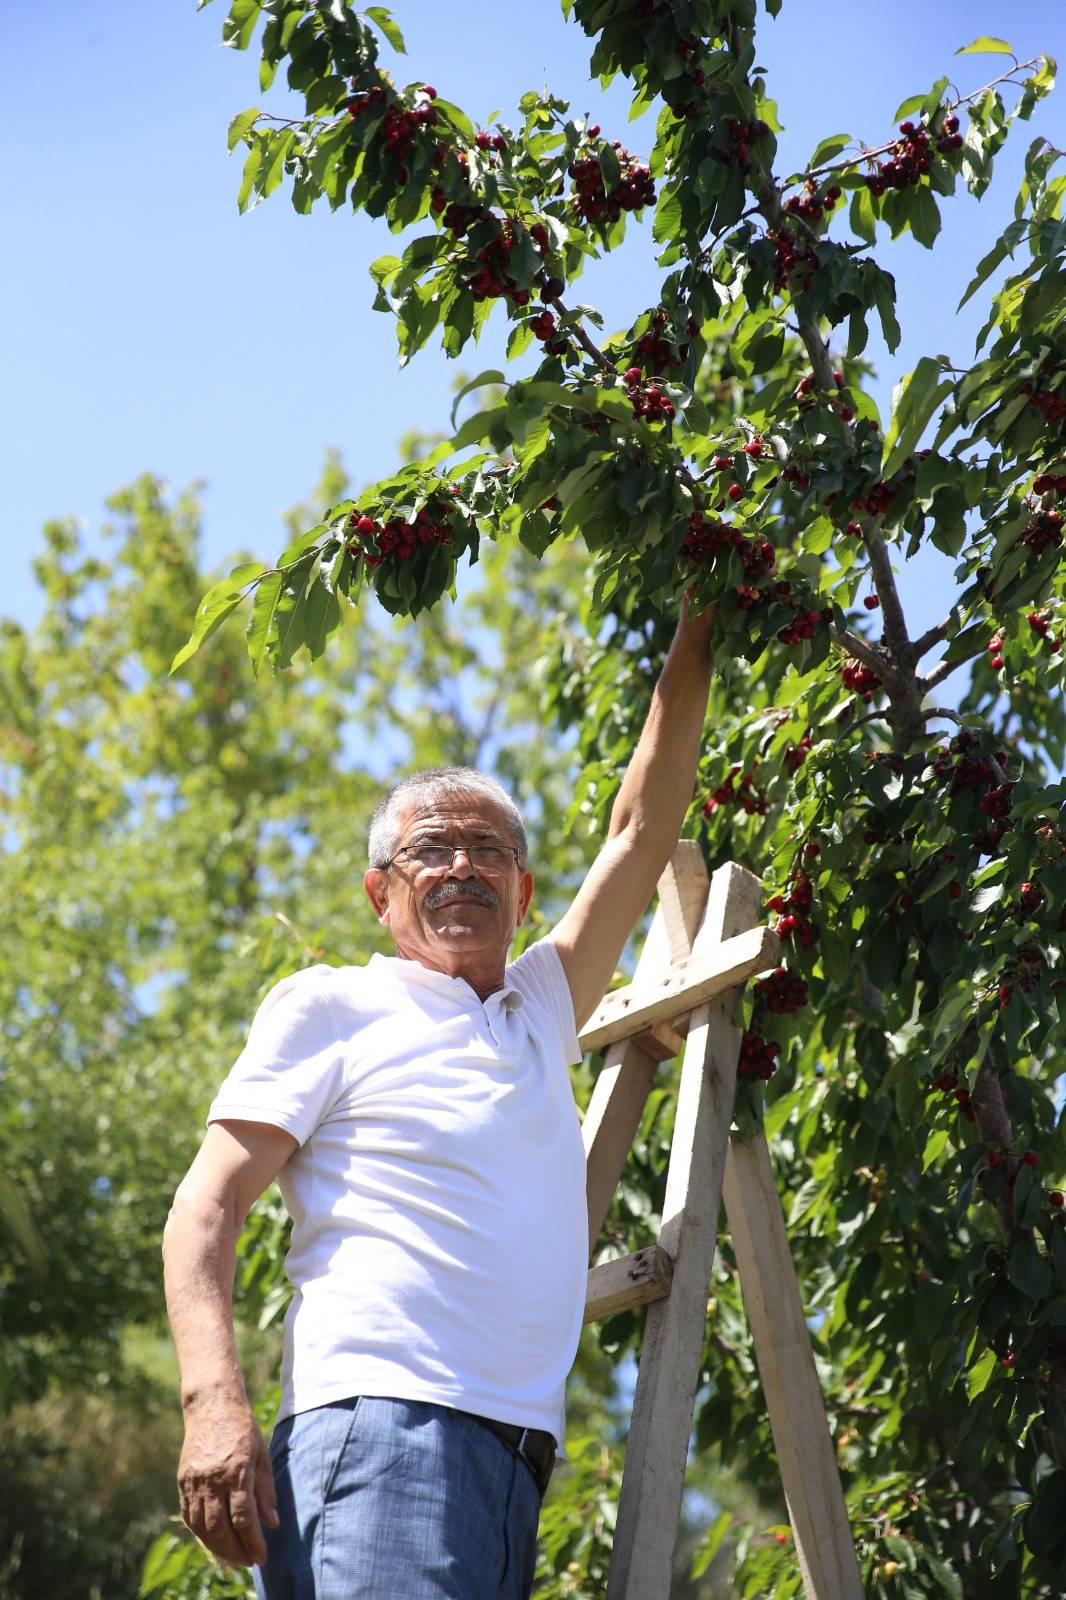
(686, 985)
(629, 1281)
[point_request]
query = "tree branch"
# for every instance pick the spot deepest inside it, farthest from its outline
(577, 327)
(882, 149)
(931, 637)
(946, 668)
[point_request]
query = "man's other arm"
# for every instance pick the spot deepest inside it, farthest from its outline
(646, 819)
(224, 1476)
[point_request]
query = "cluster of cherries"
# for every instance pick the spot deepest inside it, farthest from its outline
(968, 770)
(1023, 974)
(783, 992)
(1030, 898)
(806, 390)
(401, 124)
(375, 540)
(796, 754)
(490, 141)
(1041, 624)
(653, 352)
(1048, 483)
(648, 400)
(740, 791)
(909, 159)
(1043, 532)
(1051, 402)
(704, 539)
(804, 624)
(741, 135)
(793, 907)
(859, 679)
(634, 189)
(948, 1083)
(813, 204)
(793, 257)
(758, 1057)
(876, 502)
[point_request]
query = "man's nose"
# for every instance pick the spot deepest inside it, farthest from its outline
(461, 859)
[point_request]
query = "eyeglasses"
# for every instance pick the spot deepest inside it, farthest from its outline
(485, 857)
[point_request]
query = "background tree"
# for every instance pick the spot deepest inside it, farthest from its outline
(726, 439)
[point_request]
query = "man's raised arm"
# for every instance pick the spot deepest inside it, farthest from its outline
(645, 820)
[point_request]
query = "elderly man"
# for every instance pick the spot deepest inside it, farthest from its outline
(418, 1116)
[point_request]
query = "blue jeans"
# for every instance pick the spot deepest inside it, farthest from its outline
(383, 1499)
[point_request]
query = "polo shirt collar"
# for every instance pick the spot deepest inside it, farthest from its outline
(414, 974)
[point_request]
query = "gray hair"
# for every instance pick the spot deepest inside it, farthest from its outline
(434, 784)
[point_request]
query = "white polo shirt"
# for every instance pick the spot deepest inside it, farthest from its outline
(440, 1231)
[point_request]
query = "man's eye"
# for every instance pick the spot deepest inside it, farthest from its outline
(433, 855)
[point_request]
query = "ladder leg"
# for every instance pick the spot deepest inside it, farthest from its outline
(782, 1341)
(657, 1450)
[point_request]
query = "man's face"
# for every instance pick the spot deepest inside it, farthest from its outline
(448, 917)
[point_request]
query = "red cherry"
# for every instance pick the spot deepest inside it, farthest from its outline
(812, 848)
(1030, 1158)
(955, 888)
(631, 375)
(735, 492)
(996, 663)
(1057, 1197)
(365, 524)
(871, 602)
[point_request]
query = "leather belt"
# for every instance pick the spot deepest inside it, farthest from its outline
(535, 1446)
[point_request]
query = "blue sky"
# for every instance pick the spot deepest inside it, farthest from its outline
(151, 328)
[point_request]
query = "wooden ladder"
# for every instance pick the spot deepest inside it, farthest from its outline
(703, 942)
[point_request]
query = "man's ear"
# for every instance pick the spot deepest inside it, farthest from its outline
(525, 895)
(376, 884)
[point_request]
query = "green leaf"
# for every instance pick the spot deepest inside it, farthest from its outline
(262, 618)
(322, 616)
(935, 1146)
(1028, 1270)
(239, 26)
(240, 125)
(829, 147)
(253, 162)
(986, 45)
(914, 401)
(913, 103)
(978, 1376)
(1003, 247)
(383, 21)
(483, 378)
(924, 216)
(863, 218)
(215, 607)
(885, 300)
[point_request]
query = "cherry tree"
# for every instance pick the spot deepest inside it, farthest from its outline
(904, 1059)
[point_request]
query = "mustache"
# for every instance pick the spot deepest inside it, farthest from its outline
(453, 889)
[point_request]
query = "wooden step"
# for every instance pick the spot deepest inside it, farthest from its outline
(633, 1280)
(636, 1009)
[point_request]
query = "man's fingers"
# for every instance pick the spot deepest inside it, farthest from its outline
(266, 1494)
(245, 1520)
(219, 1536)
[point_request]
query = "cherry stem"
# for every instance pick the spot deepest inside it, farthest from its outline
(577, 327)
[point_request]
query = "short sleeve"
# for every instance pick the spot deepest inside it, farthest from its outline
(292, 1069)
(539, 974)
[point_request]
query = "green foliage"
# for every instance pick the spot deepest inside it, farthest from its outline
(725, 441)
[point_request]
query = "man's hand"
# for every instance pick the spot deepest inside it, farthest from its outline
(226, 1483)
